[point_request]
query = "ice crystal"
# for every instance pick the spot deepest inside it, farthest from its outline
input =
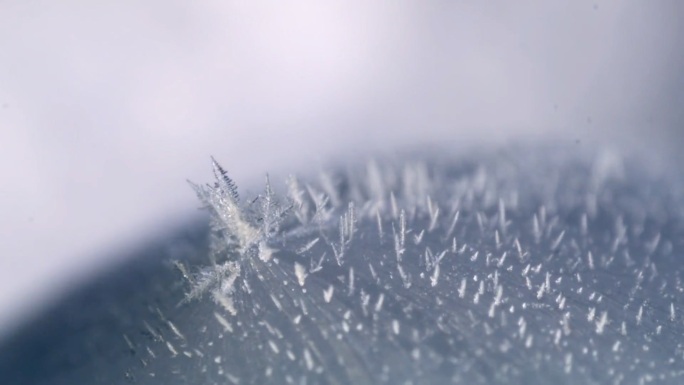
(239, 231)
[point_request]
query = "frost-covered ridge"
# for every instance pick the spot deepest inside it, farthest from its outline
(513, 267)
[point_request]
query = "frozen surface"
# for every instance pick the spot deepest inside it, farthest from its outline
(528, 265)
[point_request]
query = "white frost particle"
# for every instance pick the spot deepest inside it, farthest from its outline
(402, 230)
(157, 336)
(480, 221)
(318, 265)
(175, 330)
(297, 319)
(452, 227)
(499, 295)
(590, 260)
(526, 270)
(308, 360)
(365, 300)
(433, 211)
(171, 349)
(557, 337)
(327, 294)
(393, 205)
(536, 231)
(502, 216)
(276, 302)
(273, 346)
(226, 325)
(379, 221)
(623, 328)
(302, 306)
(616, 346)
(417, 239)
(602, 322)
(217, 359)
(497, 301)
(492, 310)
(372, 271)
(300, 273)
(395, 326)
(351, 280)
(476, 298)
(502, 259)
(522, 327)
(518, 248)
(592, 314)
(435, 276)
(558, 241)
(672, 312)
(439, 258)
(542, 289)
(547, 282)
(290, 355)
(404, 277)
(232, 378)
(150, 352)
(565, 323)
(128, 342)
(528, 341)
(640, 315)
(462, 288)
(480, 290)
(381, 299)
(308, 246)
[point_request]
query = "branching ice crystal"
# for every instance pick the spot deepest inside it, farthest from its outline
(239, 231)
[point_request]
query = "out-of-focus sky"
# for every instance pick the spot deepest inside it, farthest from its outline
(106, 109)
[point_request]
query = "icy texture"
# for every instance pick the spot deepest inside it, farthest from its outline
(524, 267)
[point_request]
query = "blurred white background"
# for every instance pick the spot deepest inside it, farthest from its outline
(106, 109)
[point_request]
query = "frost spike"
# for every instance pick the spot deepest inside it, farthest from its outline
(300, 273)
(453, 224)
(433, 211)
(435, 276)
(502, 216)
(557, 242)
(379, 220)
(224, 182)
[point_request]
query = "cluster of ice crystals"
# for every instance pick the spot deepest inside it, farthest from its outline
(503, 268)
